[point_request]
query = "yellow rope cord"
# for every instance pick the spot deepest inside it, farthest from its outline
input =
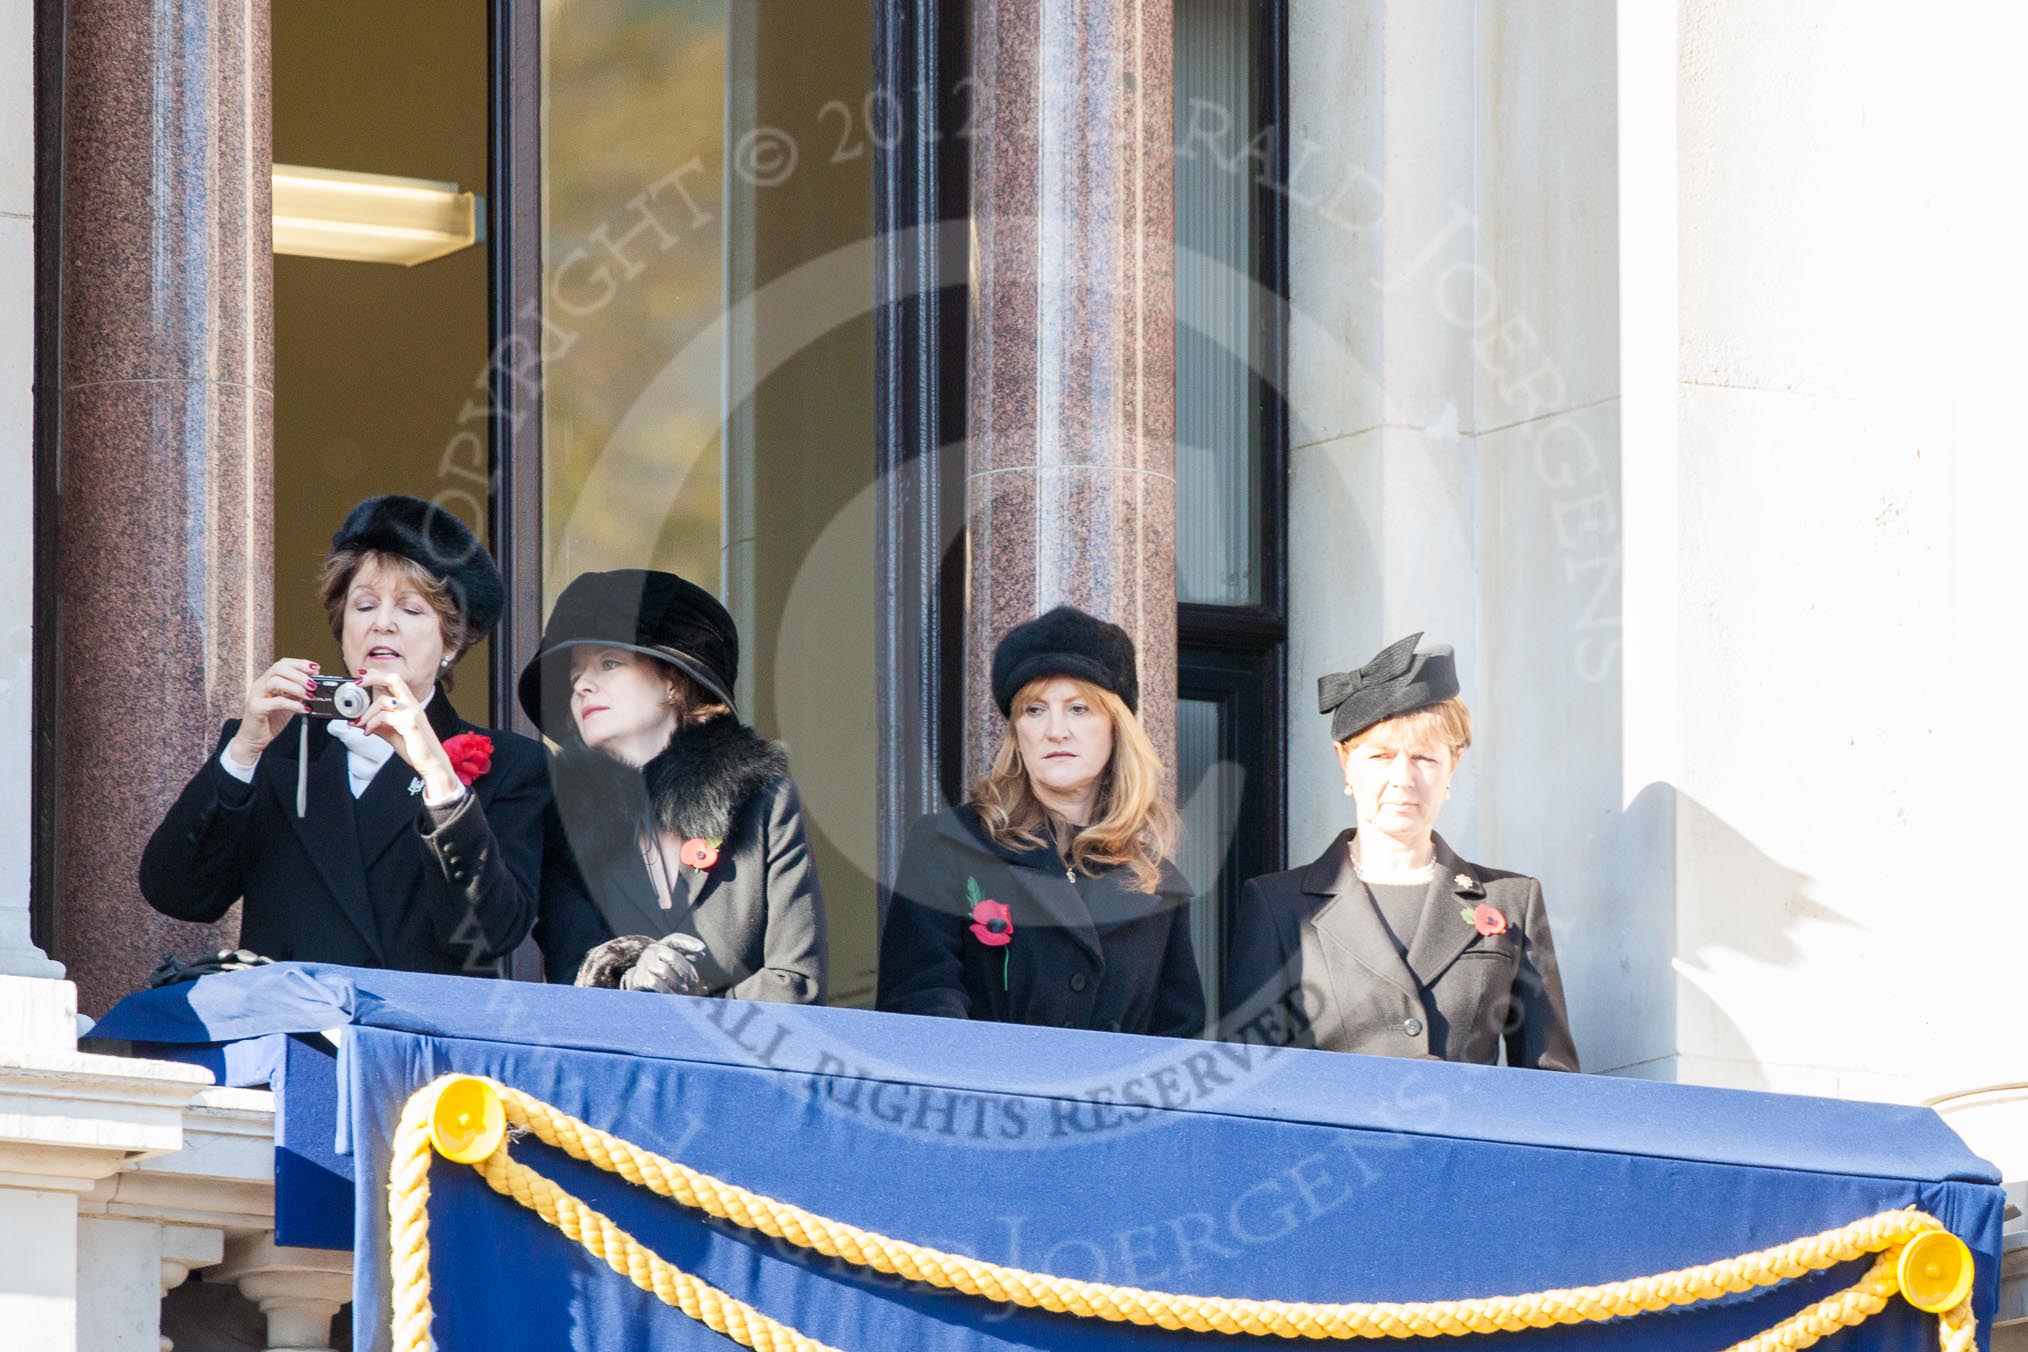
(409, 1249)
(408, 1193)
(1957, 1331)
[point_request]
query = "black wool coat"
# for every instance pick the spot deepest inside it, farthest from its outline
(381, 881)
(758, 910)
(1086, 952)
(1311, 965)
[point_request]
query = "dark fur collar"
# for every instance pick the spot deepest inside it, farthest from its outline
(707, 773)
(697, 787)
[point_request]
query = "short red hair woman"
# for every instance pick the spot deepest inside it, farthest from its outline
(1390, 943)
(684, 821)
(1049, 897)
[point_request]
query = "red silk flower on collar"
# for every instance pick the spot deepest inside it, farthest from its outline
(471, 755)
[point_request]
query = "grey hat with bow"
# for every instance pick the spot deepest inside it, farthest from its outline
(1400, 680)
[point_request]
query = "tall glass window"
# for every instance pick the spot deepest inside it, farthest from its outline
(1218, 449)
(708, 390)
(375, 362)
(1231, 453)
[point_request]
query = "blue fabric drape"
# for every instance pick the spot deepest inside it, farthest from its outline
(1184, 1166)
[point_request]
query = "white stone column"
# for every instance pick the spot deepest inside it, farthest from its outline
(18, 954)
(1382, 236)
(1455, 450)
(185, 1248)
(124, 1268)
(67, 1121)
(218, 1188)
(299, 1290)
(1819, 323)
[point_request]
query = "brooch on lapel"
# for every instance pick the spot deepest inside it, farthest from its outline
(415, 786)
(699, 853)
(992, 923)
(1487, 920)
(471, 755)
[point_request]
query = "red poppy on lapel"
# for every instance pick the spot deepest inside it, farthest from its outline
(471, 755)
(1487, 920)
(992, 923)
(700, 854)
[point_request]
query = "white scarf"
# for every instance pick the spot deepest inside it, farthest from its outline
(364, 753)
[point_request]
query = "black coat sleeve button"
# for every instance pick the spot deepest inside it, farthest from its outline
(1078, 981)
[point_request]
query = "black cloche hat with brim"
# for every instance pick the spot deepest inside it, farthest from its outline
(639, 610)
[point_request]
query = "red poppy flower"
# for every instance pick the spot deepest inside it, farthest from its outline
(471, 755)
(1488, 920)
(992, 923)
(699, 854)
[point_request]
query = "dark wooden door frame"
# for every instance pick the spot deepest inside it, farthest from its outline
(922, 198)
(1237, 655)
(514, 329)
(46, 616)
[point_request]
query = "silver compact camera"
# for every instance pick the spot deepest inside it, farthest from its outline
(338, 697)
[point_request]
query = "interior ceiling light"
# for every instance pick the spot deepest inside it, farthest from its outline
(370, 218)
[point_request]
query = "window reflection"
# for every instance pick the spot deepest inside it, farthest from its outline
(709, 374)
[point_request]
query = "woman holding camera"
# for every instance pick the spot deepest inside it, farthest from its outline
(1049, 898)
(401, 837)
(1390, 944)
(683, 819)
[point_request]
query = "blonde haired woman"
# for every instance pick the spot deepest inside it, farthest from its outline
(1390, 944)
(1049, 898)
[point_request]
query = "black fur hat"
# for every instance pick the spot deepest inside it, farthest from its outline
(429, 535)
(1065, 642)
(1399, 680)
(643, 611)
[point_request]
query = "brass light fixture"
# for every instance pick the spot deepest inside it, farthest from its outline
(370, 218)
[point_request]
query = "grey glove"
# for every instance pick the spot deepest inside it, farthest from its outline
(669, 965)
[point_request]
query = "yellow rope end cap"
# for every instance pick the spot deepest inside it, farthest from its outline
(1935, 1271)
(467, 1122)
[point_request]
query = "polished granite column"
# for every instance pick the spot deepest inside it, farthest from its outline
(166, 378)
(1071, 470)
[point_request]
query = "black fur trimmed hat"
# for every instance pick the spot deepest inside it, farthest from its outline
(1065, 642)
(428, 535)
(641, 610)
(1399, 680)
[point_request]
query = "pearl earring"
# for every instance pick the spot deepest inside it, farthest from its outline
(1348, 788)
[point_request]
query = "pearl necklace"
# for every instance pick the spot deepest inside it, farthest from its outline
(1422, 875)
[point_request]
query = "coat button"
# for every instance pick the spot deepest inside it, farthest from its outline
(1077, 981)
(1412, 1027)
